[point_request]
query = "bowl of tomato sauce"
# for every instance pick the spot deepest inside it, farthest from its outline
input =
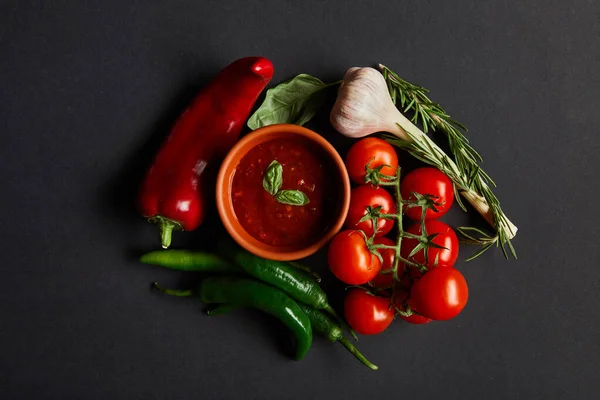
(283, 192)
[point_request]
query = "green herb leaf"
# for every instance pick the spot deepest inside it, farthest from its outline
(273, 177)
(292, 197)
(293, 102)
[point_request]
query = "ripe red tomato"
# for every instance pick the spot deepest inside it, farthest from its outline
(384, 281)
(441, 293)
(416, 319)
(432, 181)
(374, 150)
(350, 260)
(400, 297)
(367, 314)
(364, 196)
(446, 238)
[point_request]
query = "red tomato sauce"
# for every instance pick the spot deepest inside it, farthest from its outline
(305, 168)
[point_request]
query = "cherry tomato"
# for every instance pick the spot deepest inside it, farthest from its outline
(440, 294)
(364, 196)
(350, 260)
(432, 181)
(374, 150)
(416, 319)
(400, 298)
(445, 238)
(384, 281)
(367, 314)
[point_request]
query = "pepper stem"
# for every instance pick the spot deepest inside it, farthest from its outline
(166, 227)
(346, 343)
(221, 309)
(341, 321)
(173, 292)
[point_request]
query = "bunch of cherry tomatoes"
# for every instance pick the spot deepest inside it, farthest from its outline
(411, 275)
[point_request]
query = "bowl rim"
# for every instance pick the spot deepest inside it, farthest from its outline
(225, 205)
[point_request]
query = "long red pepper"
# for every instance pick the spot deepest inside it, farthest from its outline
(174, 193)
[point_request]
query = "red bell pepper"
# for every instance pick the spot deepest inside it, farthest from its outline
(174, 193)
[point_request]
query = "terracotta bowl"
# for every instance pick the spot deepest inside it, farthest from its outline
(224, 195)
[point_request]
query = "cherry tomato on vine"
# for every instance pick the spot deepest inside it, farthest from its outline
(445, 237)
(385, 281)
(382, 281)
(367, 314)
(366, 196)
(416, 319)
(441, 293)
(376, 151)
(432, 181)
(400, 298)
(350, 260)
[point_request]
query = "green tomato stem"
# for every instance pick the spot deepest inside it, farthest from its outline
(383, 246)
(399, 203)
(391, 216)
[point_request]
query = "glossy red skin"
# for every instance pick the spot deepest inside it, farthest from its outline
(305, 168)
(416, 319)
(367, 314)
(441, 294)
(387, 281)
(382, 281)
(399, 298)
(446, 238)
(366, 195)
(350, 260)
(432, 181)
(367, 149)
(205, 131)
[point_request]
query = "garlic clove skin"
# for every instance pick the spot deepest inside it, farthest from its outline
(363, 105)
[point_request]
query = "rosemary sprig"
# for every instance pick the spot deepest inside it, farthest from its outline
(432, 116)
(465, 171)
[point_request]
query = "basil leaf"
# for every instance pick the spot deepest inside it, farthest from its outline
(273, 177)
(292, 197)
(293, 102)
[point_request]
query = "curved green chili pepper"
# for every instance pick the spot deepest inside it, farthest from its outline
(324, 326)
(284, 276)
(232, 292)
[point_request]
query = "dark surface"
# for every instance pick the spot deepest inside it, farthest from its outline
(89, 89)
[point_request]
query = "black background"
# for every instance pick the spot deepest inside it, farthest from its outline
(89, 89)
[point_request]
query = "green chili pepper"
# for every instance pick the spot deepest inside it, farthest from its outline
(322, 325)
(183, 260)
(197, 261)
(284, 276)
(231, 292)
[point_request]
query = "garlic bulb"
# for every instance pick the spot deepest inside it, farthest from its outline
(363, 105)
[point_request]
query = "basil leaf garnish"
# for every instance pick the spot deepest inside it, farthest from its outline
(273, 177)
(292, 197)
